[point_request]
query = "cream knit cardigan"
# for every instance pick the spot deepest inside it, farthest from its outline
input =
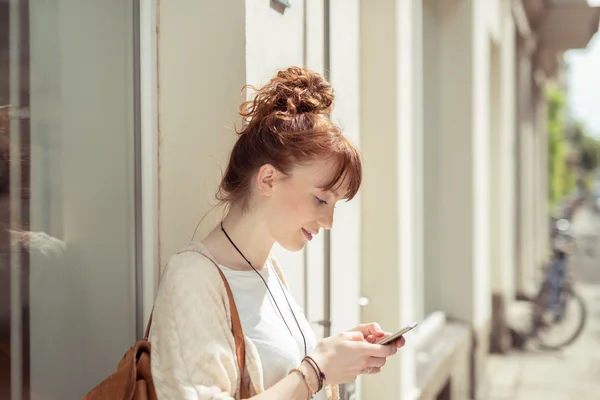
(193, 350)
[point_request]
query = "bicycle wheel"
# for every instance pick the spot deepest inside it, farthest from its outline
(561, 330)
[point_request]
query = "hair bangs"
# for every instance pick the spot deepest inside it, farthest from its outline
(347, 171)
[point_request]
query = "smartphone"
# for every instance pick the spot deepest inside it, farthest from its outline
(397, 335)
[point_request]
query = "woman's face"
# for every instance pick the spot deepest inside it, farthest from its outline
(298, 208)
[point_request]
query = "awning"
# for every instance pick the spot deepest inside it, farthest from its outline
(567, 25)
(558, 26)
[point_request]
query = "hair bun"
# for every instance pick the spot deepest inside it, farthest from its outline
(299, 90)
(291, 92)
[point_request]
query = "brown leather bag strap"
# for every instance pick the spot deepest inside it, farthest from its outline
(147, 333)
(236, 329)
(238, 336)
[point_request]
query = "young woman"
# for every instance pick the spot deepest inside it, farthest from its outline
(287, 170)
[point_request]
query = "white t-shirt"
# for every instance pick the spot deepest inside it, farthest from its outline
(261, 322)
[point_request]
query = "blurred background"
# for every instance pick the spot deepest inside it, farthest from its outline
(479, 123)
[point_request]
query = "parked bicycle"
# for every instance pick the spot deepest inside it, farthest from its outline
(558, 313)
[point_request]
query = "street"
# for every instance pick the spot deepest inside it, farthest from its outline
(574, 372)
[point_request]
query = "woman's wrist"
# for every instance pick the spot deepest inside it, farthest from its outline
(302, 373)
(312, 375)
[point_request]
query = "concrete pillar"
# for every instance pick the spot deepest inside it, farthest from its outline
(545, 186)
(345, 236)
(503, 286)
(457, 158)
(541, 132)
(460, 197)
(432, 201)
(525, 132)
(345, 248)
(481, 271)
(388, 120)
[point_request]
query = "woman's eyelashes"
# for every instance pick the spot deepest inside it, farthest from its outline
(321, 201)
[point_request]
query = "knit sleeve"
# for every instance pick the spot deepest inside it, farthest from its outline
(192, 345)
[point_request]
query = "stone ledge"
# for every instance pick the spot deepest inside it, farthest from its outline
(444, 357)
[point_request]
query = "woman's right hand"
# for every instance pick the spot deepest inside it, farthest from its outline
(345, 356)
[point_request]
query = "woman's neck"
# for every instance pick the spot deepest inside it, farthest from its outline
(249, 232)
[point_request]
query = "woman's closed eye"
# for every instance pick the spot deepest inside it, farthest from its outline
(321, 201)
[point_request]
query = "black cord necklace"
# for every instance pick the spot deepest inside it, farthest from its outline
(270, 293)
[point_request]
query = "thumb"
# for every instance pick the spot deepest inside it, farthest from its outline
(355, 336)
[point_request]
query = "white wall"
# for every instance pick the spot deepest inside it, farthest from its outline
(195, 129)
(199, 80)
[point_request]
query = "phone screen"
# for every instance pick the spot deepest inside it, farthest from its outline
(397, 335)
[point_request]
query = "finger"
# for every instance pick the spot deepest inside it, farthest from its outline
(378, 350)
(370, 371)
(374, 350)
(376, 362)
(400, 342)
(372, 328)
(373, 339)
(375, 330)
(354, 336)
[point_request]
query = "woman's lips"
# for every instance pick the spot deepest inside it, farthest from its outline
(307, 234)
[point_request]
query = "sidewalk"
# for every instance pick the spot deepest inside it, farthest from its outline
(574, 372)
(571, 374)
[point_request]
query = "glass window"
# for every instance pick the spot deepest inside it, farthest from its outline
(67, 195)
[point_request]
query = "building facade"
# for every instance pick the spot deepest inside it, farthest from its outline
(125, 115)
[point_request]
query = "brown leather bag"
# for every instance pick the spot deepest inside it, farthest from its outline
(133, 378)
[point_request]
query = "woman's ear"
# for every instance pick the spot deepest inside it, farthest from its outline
(265, 179)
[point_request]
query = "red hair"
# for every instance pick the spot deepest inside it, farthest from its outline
(287, 124)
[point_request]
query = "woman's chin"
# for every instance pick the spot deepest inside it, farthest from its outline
(293, 246)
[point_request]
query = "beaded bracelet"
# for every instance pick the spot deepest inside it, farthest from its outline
(311, 391)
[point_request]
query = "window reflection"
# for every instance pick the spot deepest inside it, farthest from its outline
(67, 224)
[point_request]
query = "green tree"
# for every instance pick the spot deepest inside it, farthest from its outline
(561, 178)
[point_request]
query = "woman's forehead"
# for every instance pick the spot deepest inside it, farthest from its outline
(317, 172)
(320, 174)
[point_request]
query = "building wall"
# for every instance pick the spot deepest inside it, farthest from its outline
(199, 83)
(427, 89)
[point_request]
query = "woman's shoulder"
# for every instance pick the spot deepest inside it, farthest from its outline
(192, 267)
